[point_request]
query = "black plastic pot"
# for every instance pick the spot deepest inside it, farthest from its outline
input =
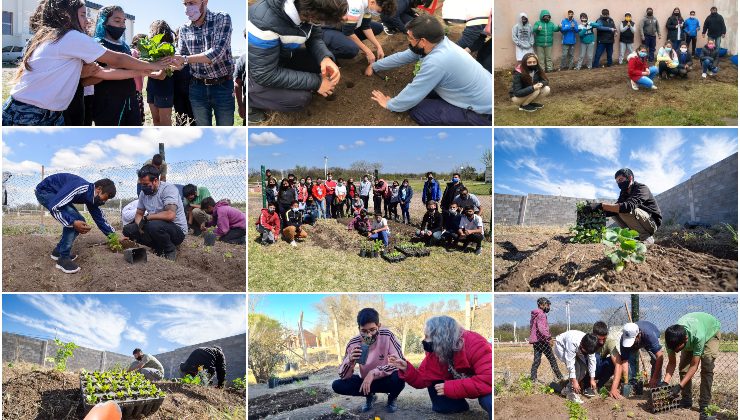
(375, 254)
(363, 253)
(638, 388)
(209, 239)
(135, 255)
(273, 382)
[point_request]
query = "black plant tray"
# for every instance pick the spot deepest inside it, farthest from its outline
(130, 408)
(393, 260)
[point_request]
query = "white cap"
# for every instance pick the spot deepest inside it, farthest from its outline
(629, 334)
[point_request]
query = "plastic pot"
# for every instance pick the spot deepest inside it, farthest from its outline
(135, 255)
(626, 390)
(363, 252)
(273, 382)
(375, 254)
(209, 239)
(638, 388)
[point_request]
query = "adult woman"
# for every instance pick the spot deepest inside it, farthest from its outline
(667, 60)
(285, 197)
(405, 193)
(529, 83)
(457, 365)
(160, 90)
(639, 72)
(675, 26)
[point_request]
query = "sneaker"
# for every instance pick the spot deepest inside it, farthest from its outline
(536, 105)
(55, 256)
(389, 31)
(572, 396)
(67, 266)
(256, 116)
(170, 255)
(589, 392)
(648, 241)
(703, 75)
(478, 251)
(391, 406)
(292, 243)
(653, 87)
(369, 401)
(634, 85)
(449, 249)
(711, 73)
(685, 404)
(528, 108)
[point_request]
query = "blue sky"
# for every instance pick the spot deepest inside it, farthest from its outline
(581, 162)
(120, 323)
(286, 308)
(661, 309)
(173, 12)
(400, 150)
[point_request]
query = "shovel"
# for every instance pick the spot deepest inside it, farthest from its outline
(135, 255)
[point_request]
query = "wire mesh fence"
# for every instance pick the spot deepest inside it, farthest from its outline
(513, 354)
(225, 179)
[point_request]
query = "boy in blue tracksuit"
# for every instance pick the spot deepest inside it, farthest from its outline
(431, 189)
(58, 193)
(691, 27)
(569, 29)
(586, 34)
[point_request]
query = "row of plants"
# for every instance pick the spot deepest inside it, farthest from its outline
(118, 385)
(371, 249)
(413, 249)
(274, 381)
(393, 256)
(590, 225)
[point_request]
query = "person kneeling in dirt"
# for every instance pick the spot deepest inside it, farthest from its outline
(164, 227)
(379, 229)
(210, 359)
(59, 193)
(450, 222)
(193, 210)
(636, 207)
(709, 58)
(431, 229)
(635, 336)
(345, 40)
(696, 335)
(147, 365)
(231, 224)
(450, 88)
(607, 355)
(282, 75)
(376, 376)
(457, 365)
(470, 230)
(360, 223)
(638, 71)
(268, 225)
(528, 83)
(576, 349)
(293, 221)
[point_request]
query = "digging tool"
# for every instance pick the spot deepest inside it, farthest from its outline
(135, 255)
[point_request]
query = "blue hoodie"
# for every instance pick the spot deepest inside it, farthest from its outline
(569, 29)
(71, 189)
(433, 191)
(692, 26)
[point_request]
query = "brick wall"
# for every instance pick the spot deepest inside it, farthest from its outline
(235, 352)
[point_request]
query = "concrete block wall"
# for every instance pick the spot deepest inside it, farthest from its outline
(506, 209)
(235, 352)
(33, 350)
(549, 210)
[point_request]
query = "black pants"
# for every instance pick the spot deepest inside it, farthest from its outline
(235, 236)
(284, 100)
(386, 206)
(664, 69)
(449, 238)
(161, 236)
(475, 238)
(116, 111)
(446, 405)
(74, 115)
(393, 210)
(338, 207)
(691, 42)
(377, 203)
(541, 348)
(365, 200)
(391, 385)
(485, 55)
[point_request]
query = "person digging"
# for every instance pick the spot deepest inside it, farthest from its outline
(210, 360)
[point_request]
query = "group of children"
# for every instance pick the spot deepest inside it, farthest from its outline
(675, 58)
(303, 201)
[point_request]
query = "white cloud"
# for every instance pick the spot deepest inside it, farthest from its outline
(712, 149)
(136, 335)
(659, 166)
(230, 137)
(342, 147)
(388, 139)
(354, 145)
(6, 148)
(267, 138)
(442, 135)
(33, 130)
(359, 143)
(549, 179)
(276, 154)
(24, 167)
(600, 142)
(505, 187)
(518, 138)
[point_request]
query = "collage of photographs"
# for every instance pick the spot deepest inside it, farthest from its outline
(321, 209)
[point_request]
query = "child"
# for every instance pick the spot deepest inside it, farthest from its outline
(576, 350)
(523, 36)
(405, 193)
(639, 72)
(230, 223)
(709, 56)
(626, 37)
(685, 61)
(160, 89)
(544, 32)
(310, 211)
(268, 225)
(691, 27)
(293, 221)
(393, 209)
(569, 29)
(357, 206)
(586, 34)
(360, 223)
(667, 61)
(51, 68)
(529, 83)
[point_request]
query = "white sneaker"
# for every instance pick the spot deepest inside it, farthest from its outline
(292, 243)
(654, 87)
(703, 75)
(711, 73)
(634, 85)
(572, 396)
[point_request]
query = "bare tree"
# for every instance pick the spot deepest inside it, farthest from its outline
(487, 158)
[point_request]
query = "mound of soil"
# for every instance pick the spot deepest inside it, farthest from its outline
(397, 230)
(290, 400)
(531, 262)
(27, 267)
(30, 392)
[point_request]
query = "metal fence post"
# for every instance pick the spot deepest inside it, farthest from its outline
(262, 182)
(635, 362)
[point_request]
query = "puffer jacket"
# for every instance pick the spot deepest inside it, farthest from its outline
(544, 31)
(518, 88)
(605, 30)
(274, 33)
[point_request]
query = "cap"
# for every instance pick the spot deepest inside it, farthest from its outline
(629, 334)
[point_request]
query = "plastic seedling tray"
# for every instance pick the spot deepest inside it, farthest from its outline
(131, 408)
(659, 399)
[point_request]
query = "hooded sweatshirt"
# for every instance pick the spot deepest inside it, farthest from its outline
(385, 345)
(636, 66)
(226, 218)
(270, 221)
(544, 31)
(522, 34)
(539, 330)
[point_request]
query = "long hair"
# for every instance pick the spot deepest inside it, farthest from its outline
(51, 20)
(105, 13)
(161, 27)
(526, 78)
(446, 336)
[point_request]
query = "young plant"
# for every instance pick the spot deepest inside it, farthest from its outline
(603, 393)
(91, 399)
(526, 385)
(191, 380)
(64, 352)
(547, 389)
(240, 383)
(576, 411)
(622, 246)
(590, 226)
(153, 49)
(377, 245)
(711, 410)
(114, 243)
(338, 410)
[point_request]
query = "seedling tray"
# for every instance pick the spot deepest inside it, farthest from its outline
(391, 260)
(413, 251)
(659, 399)
(131, 408)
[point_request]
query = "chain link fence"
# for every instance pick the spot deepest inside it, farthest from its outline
(513, 355)
(225, 179)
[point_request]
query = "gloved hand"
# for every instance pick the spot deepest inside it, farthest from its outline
(595, 207)
(675, 391)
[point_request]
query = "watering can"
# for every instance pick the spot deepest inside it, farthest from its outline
(135, 255)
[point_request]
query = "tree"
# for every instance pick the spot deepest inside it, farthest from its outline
(487, 158)
(404, 316)
(466, 171)
(266, 343)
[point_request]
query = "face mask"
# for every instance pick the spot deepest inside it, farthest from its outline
(650, 13)
(431, 210)
(428, 347)
(139, 358)
(430, 178)
(114, 31)
(271, 211)
(711, 47)
(546, 19)
(524, 21)
(683, 50)
(532, 67)
(294, 209)
(623, 185)
(98, 202)
(584, 20)
(417, 50)
(452, 211)
(374, 13)
(546, 310)
(455, 180)
(668, 49)
(370, 338)
(193, 12)
(642, 54)
(628, 18)
(676, 13)
(147, 190)
(714, 13)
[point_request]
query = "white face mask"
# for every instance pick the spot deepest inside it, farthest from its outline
(683, 50)
(193, 12)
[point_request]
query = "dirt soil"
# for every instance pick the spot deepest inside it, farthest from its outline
(413, 404)
(290, 400)
(545, 262)
(27, 267)
(553, 407)
(30, 392)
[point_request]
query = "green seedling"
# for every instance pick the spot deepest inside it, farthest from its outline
(153, 49)
(10, 365)
(338, 410)
(191, 380)
(631, 414)
(526, 385)
(622, 246)
(239, 383)
(377, 245)
(547, 389)
(616, 407)
(91, 399)
(312, 392)
(603, 393)
(64, 352)
(732, 231)
(711, 410)
(114, 243)
(576, 411)
(208, 249)
(590, 227)
(417, 67)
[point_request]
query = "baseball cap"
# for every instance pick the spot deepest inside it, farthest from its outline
(629, 334)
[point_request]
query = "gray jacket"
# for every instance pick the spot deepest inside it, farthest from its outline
(649, 26)
(523, 35)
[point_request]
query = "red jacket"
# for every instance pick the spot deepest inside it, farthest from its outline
(636, 67)
(474, 361)
(330, 185)
(270, 221)
(302, 193)
(319, 192)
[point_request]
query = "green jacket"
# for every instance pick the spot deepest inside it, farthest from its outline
(544, 32)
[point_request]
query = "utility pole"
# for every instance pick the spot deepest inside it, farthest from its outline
(336, 338)
(326, 167)
(302, 338)
(467, 312)
(567, 312)
(161, 151)
(262, 182)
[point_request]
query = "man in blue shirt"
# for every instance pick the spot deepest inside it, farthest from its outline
(635, 336)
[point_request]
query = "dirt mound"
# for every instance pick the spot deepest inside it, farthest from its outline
(532, 262)
(27, 267)
(399, 231)
(293, 399)
(30, 392)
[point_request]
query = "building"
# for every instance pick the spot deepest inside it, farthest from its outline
(294, 341)
(17, 14)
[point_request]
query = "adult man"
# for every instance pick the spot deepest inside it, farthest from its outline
(379, 229)
(452, 190)
(193, 196)
(450, 88)
(204, 44)
(282, 74)
(544, 35)
(231, 224)
(346, 39)
(606, 31)
(268, 225)
(366, 187)
(293, 221)
(211, 359)
(164, 226)
(431, 228)
(371, 350)
(470, 230)
(636, 207)
(465, 199)
(714, 26)
(696, 335)
(59, 193)
(541, 339)
(650, 32)
(147, 365)
(576, 349)
(569, 29)
(523, 36)
(635, 336)
(431, 189)
(330, 185)
(159, 163)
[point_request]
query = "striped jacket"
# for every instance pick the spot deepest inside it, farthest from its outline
(71, 189)
(377, 358)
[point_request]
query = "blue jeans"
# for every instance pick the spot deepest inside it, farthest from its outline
(604, 370)
(600, 48)
(706, 65)
(647, 81)
(310, 217)
(329, 204)
(341, 45)
(382, 235)
(209, 101)
(19, 113)
(69, 234)
(322, 209)
(405, 215)
(404, 14)
(650, 44)
(445, 405)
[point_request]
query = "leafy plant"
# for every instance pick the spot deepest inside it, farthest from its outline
(547, 389)
(91, 399)
(240, 383)
(590, 226)
(417, 67)
(711, 409)
(153, 49)
(228, 254)
(732, 231)
(603, 393)
(394, 254)
(10, 365)
(191, 380)
(312, 392)
(114, 243)
(64, 352)
(377, 245)
(623, 247)
(576, 411)
(338, 410)
(525, 384)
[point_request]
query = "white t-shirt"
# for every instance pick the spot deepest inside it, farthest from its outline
(56, 71)
(474, 224)
(128, 213)
(340, 190)
(379, 225)
(356, 11)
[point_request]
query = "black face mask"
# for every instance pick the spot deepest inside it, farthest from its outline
(98, 202)
(546, 19)
(546, 310)
(623, 185)
(114, 31)
(533, 67)
(714, 13)
(417, 50)
(428, 347)
(139, 358)
(148, 190)
(650, 13)
(676, 13)
(524, 21)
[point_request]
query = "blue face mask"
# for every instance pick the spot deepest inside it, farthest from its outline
(455, 180)
(643, 54)
(668, 49)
